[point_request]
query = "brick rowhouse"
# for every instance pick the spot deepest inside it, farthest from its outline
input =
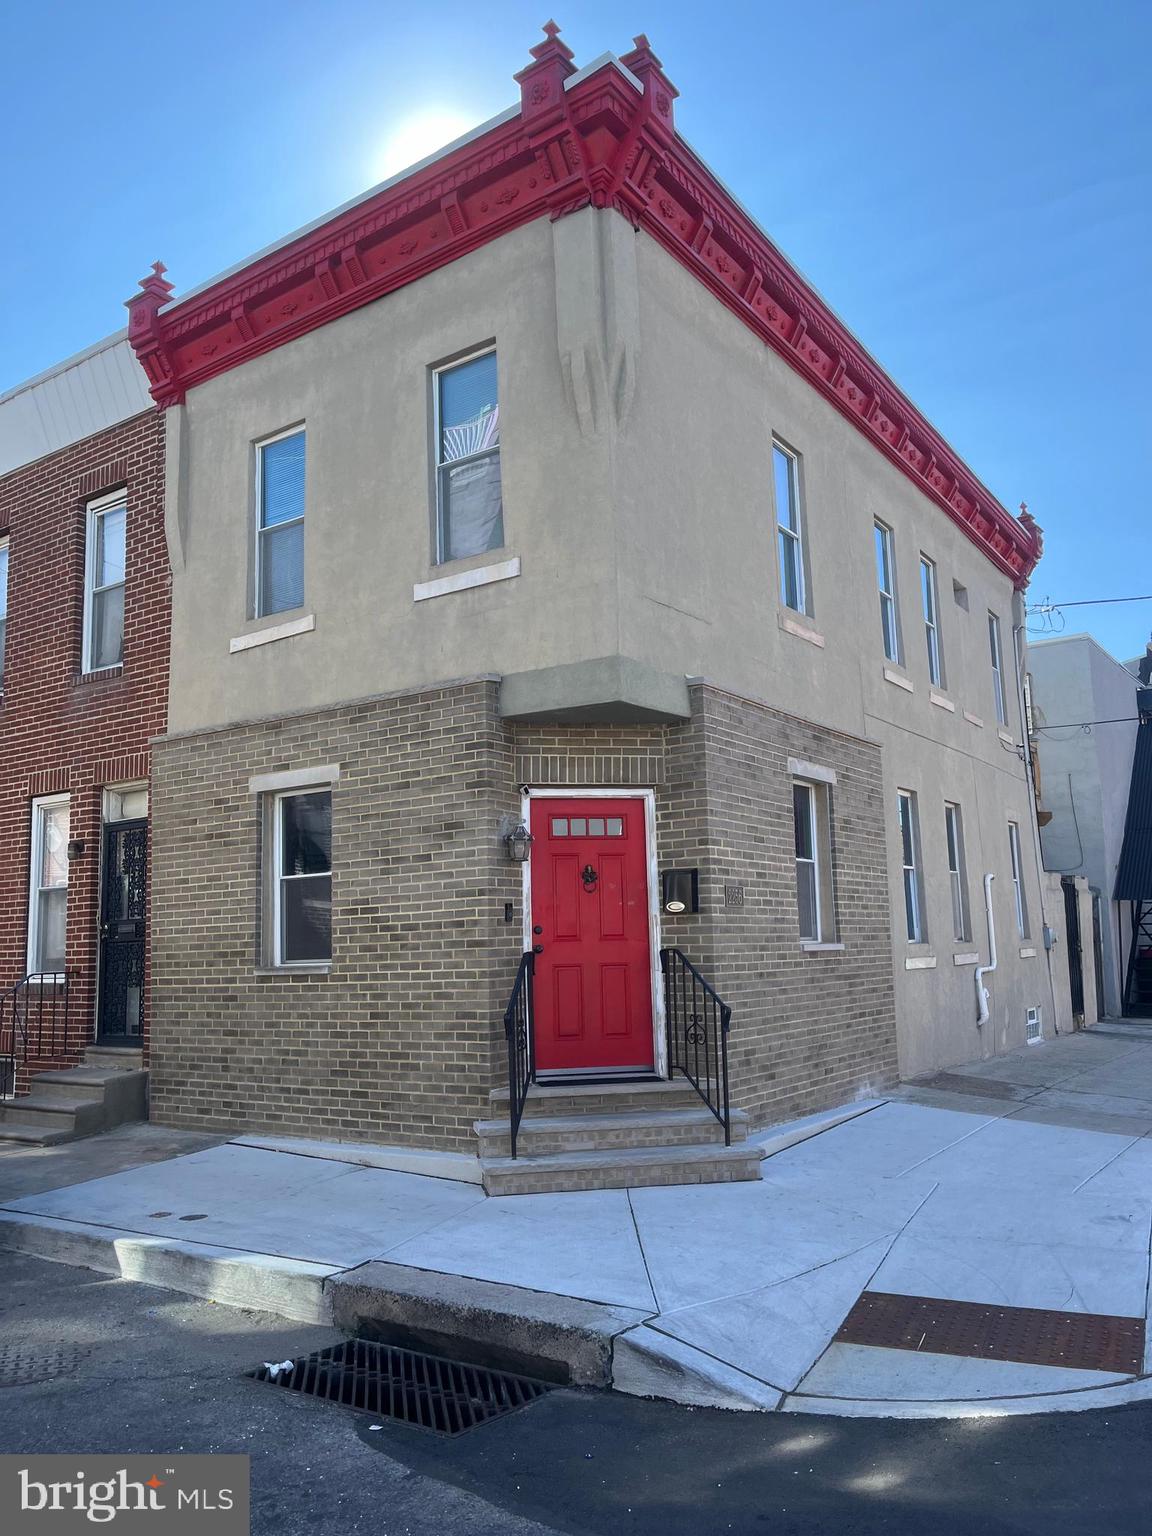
(60, 730)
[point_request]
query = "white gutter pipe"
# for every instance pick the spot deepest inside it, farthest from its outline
(983, 970)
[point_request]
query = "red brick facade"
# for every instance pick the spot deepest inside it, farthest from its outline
(61, 731)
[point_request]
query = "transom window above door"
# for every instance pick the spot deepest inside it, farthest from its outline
(587, 826)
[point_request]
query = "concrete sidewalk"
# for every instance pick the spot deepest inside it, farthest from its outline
(1023, 1185)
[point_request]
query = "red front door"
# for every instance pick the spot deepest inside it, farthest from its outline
(593, 988)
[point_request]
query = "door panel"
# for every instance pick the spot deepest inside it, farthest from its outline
(590, 913)
(123, 911)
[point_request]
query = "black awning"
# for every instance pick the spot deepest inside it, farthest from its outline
(1134, 876)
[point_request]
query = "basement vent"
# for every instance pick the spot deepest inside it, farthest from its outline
(444, 1395)
(1034, 1029)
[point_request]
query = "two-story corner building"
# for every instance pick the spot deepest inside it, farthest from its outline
(84, 618)
(555, 575)
(1085, 723)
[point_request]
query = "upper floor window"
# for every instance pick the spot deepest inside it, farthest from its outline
(104, 582)
(302, 877)
(1018, 880)
(469, 500)
(280, 523)
(910, 859)
(886, 581)
(957, 877)
(997, 657)
(3, 604)
(813, 860)
(48, 893)
(789, 528)
(930, 599)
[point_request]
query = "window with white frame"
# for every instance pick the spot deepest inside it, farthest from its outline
(789, 528)
(48, 887)
(302, 877)
(810, 814)
(280, 465)
(886, 582)
(997, 657)
(957, 875)
(1019, 897)
(104, 582)
(910, 859)
(469, 497)
(3, 605)
(930, 599)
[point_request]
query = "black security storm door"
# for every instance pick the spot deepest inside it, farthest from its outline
(123, 904)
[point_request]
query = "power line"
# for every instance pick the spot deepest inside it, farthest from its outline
(1083, 725)
(1088, 602)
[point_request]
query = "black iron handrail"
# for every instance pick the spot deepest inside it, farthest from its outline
(34, 1020)
(698, 1020)
(518, 1033)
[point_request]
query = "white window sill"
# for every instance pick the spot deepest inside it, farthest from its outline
(1027, 953)
(462, 581)
(801, 629)
(1006, 738)
(292, 970)
(967, 958)
(942, 703)
(273, 632)
(898, 680)
(811, 948)
(972, 719)
(920, 963)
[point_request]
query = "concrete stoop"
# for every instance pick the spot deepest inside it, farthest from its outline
(611, 1136)
(109, 1088)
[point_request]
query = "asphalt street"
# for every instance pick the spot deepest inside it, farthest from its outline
(159, 1372)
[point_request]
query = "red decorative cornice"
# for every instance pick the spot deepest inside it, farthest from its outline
(599, 142)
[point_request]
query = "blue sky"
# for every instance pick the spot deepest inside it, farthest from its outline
(970, 187)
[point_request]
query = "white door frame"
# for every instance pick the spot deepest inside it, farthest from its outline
(648, 796)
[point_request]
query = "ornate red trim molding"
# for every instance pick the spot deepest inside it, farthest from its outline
(600, 142)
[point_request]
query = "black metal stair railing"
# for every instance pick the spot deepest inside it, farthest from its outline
(697, 1021)
(518, 1033)
(34, 1020)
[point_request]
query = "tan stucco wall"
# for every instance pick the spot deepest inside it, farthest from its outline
(637, 417)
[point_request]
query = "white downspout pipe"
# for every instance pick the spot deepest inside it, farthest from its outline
(983, 970)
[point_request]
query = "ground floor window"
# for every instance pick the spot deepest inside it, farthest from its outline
(48, 893)
(302, 877)
(910, 860)
(813, 861)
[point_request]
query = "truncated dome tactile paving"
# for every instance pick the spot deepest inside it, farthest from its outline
(1029, 1335)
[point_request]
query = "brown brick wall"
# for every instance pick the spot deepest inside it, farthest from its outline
(60, 731)
(402, 1040)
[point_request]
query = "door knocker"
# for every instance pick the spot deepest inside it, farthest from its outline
(589, 877)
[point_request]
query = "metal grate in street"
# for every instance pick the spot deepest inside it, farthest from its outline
(1084, 1341)
(448, 1396)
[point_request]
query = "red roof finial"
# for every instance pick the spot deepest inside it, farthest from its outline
(659, 92)
(542, 82)
(1023, 508)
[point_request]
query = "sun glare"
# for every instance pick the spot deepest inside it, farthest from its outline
(417, 136)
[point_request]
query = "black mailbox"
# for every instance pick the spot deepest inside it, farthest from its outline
(680, 890)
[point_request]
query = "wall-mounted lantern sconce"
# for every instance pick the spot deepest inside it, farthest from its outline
(518, 843)
(680, 890)
(75, 849)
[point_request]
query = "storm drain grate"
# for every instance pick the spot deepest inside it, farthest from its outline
(1085, 1341)
(445, 1395)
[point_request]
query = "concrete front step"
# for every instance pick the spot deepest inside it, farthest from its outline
(621, 1169)
(119, 1058)
(542, 1135)
(601, 1098)
(74, 1101)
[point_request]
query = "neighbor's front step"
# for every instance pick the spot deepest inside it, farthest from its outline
(114, 1058)
(542, 1135)
(600, 1098)
(33, 1135)
(77, 1117)
(73, 1083)
(641, 1167)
